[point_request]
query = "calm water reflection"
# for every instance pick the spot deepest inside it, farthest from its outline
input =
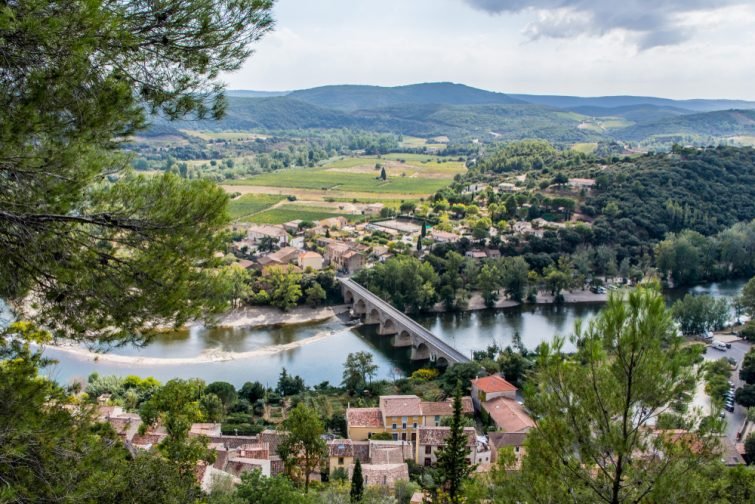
(322, 358)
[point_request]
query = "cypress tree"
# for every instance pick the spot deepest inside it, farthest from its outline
(383, 175)
(419, 243)
(357, 483)
(452, 458)
(424, 229)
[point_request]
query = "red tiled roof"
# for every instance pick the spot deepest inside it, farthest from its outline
(436, 436)
(364, 417)
(494, 383)
(401, 405)
(446, 408)
(508, 415)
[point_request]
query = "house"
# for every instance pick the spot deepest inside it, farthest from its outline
(362, 423)
(507, 440)
(507, 187)
(508, 415)
(344, 452)
(292, 226)
(476, 254)
(490, 387)
(386, 475)
(373, 209)
(286, 255)
(344, 257)
(258, 232)
(244, 263)
(431, 439)
(337, 222)
(444, 236)
(493, 253)
(310, 259)
(581, 183)
(401, 416)
(383, 462)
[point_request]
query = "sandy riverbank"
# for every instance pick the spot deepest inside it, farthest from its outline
(204, 357)
(266, 316)
(476, 302)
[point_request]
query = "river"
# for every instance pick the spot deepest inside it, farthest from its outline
(317, 351)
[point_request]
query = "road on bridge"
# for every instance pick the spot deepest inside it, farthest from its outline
(407, 321)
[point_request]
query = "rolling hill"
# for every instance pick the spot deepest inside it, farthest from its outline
(464, 113)
(353, 97)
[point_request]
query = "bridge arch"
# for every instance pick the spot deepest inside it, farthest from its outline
(388, 326)
(372, 317)
(348, 297)
(441, 362)
(360, 307)
(402, 339)
(420, 352)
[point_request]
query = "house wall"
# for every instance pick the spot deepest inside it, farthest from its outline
(363, 433)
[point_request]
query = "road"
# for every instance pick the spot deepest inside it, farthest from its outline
(738, 350)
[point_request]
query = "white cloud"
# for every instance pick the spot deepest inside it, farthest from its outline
(652, 23)
(394, 42)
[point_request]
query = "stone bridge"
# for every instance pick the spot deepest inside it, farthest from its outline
(392, 322)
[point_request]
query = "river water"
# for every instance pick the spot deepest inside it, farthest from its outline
(317, 351)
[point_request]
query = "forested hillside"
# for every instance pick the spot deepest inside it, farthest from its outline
(706, 190)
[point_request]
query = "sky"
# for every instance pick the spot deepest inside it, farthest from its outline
(668, 48)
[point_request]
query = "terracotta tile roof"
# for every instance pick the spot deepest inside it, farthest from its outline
(364, 417)
(446, 408)
(400, 405)
(233, 441)
(508, 415)
(349, 448)
(436, 436)
(383, 474)
(146, 441)
(493, 383)
(501, 439)
(272, 438)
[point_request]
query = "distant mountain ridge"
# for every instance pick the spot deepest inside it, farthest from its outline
(356, 97)
(465, 113)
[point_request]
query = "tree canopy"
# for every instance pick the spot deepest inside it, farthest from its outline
(86, 247)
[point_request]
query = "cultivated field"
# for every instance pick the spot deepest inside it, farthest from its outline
(409, 176)
(249, 204)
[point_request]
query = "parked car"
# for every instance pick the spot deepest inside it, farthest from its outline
(729, 407)
(719, 345)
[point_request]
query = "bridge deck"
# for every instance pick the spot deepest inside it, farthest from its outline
(407, 321)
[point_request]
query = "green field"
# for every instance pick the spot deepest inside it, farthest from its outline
(251, 203)
(417, 175)
(285, 213)
(585, 148)
(357, 182)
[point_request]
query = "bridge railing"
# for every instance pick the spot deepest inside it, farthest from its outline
(388, 309)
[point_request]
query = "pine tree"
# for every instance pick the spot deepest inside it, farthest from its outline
(452, 458)
(357, 483)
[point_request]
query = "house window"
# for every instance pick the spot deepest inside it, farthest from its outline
(395, 436)
(428, 450)
(340, 460)
(403, 436)
(414, 436)
(437, 420)
(428, 462)
(403, 425)
(404, 420)
(516, 449)
(414, 425)
(394, 426)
